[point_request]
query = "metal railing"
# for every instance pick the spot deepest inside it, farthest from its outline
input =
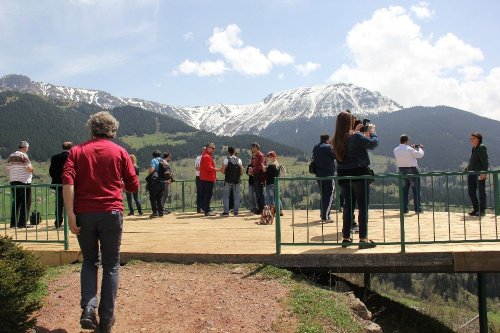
(29, 199)
(444, 198)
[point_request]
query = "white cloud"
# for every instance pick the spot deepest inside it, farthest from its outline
(390, 55)
(188, 36)
(281, 76)
(280, 58)
(307, 68)
(246, 60)
(205, 68)
(422, 10)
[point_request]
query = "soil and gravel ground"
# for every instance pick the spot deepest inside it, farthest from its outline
(177, 298)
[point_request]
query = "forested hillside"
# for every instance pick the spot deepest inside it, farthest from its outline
(46, 123)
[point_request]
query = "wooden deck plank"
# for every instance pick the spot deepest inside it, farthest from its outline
(185, 237)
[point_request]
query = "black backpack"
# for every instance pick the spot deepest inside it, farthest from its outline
(233, 171)
(164, 171)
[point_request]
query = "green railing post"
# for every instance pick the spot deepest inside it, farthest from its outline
(401, 213)
(481, 300)
(278, 211)
(496, 193)
(183, 191)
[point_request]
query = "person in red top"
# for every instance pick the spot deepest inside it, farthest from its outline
(259, 176)
(208, 177)
(93, 177)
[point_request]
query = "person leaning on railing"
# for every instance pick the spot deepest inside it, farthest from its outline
(478, 162)
(350, 147)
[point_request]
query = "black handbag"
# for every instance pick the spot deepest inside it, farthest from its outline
(312, 168)
(35, 218)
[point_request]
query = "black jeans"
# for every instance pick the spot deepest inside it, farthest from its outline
(207, 189)
(473, 185)
(21, 204)
(155, 196)
(59, 207)
(359, 189)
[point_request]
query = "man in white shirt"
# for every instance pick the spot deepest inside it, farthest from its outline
(20, 174)
(406, 159)
(199, 194)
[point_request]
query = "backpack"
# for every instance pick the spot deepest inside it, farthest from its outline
(267, 216)
(233, 171)
(152, 181)
(164, 171)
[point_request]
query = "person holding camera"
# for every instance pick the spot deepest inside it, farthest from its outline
(351, 151)
(406, 159)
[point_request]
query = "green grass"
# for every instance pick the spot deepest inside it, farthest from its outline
(138, 142)
(317, 310)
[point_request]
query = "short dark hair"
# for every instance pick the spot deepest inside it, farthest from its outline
(166, 155)
(231, 150)
(255, 144)
(324, 137)
(67, 145)
(404, 138)
(156, 153)
(478, 135)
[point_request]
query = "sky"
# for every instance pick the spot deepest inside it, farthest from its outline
(189, 53)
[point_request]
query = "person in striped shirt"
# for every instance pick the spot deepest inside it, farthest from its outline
(20, 174)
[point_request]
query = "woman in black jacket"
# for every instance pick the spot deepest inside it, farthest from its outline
(350, 147)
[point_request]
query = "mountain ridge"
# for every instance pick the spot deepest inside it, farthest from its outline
(231, 119)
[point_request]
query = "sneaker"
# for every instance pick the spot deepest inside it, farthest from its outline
(140, 213)
(326, 221)
(235, 214)
(198, 211)
(106, 325)
(131, 213)
(87, 319)
(152, 216)
(210, 214)
(368, 244)
(224, 214)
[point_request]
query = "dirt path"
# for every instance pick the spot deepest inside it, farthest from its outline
(177, 298)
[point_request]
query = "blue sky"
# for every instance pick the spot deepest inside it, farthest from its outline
(203, 52)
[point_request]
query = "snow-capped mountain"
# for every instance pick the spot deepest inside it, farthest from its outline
(301, 104)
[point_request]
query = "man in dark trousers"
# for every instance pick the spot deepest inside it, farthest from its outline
(478, 161)
(94, 177)
(324, 159)
(56, 169)
(259, 177)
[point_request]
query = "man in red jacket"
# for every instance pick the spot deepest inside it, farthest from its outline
(93, 178)
(208, 177)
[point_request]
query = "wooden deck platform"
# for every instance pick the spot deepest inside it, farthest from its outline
(190, 237)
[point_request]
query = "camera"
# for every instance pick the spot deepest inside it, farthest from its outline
(365, 127)
(416, 146)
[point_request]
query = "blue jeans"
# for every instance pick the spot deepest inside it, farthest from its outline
(359, 189)
(137, 202)
(100, 231)
(236, 196)
(414, 182)
(270, 195)
(253, 198)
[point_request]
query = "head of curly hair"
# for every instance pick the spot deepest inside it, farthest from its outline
(103, 125)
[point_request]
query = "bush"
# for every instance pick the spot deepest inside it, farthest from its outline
(20, 274)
